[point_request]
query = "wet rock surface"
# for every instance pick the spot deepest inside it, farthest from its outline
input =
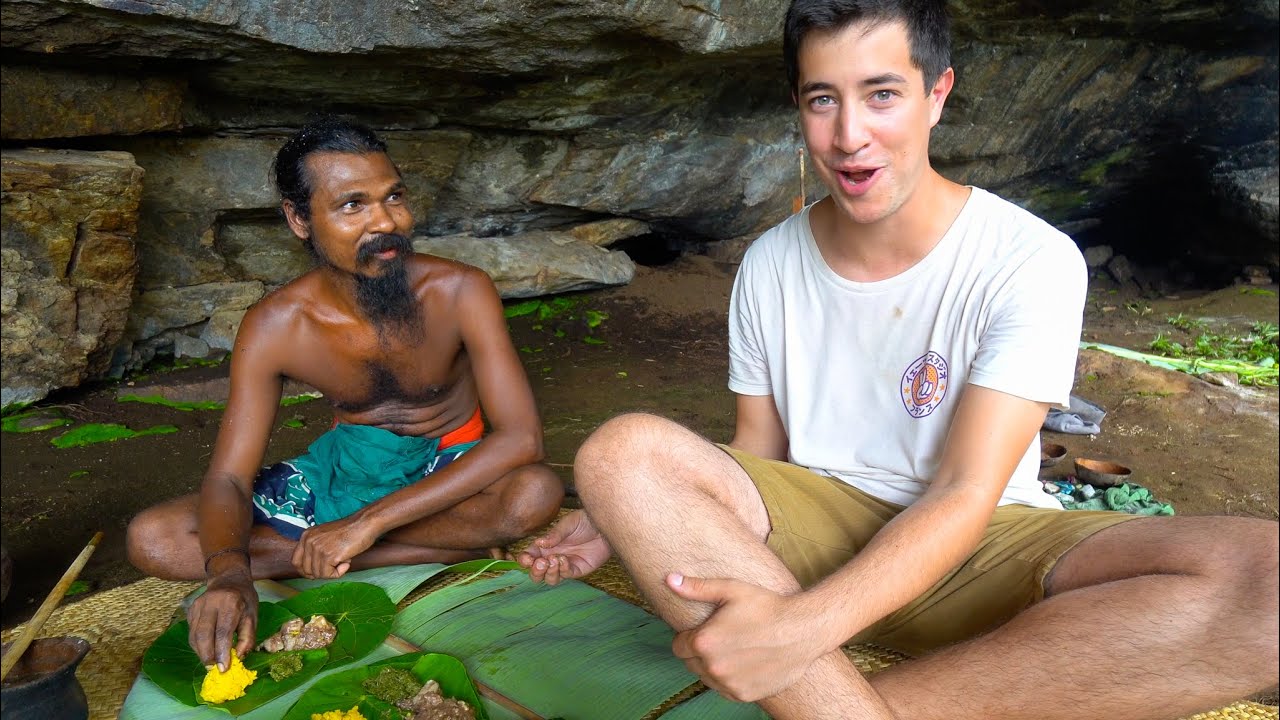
(516, 118)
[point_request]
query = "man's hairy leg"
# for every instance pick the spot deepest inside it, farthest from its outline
(669, 501)
(1167, 617)
(163, 540)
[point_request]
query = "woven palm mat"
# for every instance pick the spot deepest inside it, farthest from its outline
(122, 623)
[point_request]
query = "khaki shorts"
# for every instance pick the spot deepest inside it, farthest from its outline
(819, 524)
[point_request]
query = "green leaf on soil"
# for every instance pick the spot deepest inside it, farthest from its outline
(299, 399)
(294, 423)
(33, 421)
(592, 340)
(183, 405)
(527, 307)
(595, 317)
(344, 690)
(105, 432)
(12, 408)
(362, 613)
(78, 474)
(173, 666)
(78, 587)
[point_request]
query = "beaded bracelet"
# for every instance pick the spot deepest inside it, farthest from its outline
(224, 551)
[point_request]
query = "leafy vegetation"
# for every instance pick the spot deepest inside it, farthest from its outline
(560, 311)
(1252, 356)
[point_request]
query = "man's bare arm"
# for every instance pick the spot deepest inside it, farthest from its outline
(758, 429)
(224, 515)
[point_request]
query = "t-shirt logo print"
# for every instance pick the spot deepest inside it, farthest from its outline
(924, 384)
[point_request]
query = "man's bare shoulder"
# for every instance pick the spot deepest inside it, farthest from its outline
(283, 307)
(448, 278)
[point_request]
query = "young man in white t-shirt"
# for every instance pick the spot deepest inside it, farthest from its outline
(894, 350)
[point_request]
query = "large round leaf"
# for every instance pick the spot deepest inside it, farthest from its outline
(344, 690)
(361, 612)
(174, 667)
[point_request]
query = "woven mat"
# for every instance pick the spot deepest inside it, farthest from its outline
(120, 624)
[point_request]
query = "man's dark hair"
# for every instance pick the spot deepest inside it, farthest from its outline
(928, 29)
(326, 134)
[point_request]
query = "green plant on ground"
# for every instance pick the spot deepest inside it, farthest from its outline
(175, 404)
(559, 308)
(33, 420)
(105, 432)
(1253, 356)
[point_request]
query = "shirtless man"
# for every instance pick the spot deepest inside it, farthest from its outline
(894, 351)
(408, 349)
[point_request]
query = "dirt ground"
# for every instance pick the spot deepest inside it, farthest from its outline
(1204, 448)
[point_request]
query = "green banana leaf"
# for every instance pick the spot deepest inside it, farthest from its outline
(346, 689)
(361, 612)
(571, 651)
(173, 666)
(567, 651)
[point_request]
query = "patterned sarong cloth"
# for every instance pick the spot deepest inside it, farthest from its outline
(347, 468)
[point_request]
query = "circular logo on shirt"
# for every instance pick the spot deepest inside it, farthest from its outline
(924, 384)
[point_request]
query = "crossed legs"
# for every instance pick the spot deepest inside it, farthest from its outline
(1167, 616)
(162, 540)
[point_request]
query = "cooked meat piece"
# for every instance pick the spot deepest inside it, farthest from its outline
(295, 635)
(429, 704)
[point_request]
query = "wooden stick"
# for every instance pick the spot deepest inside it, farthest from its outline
(46, 608)
(405, 646)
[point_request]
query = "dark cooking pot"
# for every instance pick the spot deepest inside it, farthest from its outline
(43, 685)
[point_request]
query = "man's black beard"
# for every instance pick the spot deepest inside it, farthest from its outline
(386, 299)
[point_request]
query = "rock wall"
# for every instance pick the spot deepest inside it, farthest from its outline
(518, 124)
(68, 262)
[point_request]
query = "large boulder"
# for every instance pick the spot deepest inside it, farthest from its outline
(534, 263)
(69, 263)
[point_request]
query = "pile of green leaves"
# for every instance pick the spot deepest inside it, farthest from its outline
(1254, 356)
(361, 612)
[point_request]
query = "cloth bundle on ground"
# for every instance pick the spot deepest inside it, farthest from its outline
(1081, 418)
(1128, 498)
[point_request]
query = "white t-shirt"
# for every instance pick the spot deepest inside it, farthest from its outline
(866, 376)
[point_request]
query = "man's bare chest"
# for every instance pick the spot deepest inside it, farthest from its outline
(359, 376)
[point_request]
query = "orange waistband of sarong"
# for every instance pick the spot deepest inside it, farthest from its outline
(471, 431)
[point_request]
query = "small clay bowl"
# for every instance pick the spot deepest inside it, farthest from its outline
(1051, 453)
(1101, 473)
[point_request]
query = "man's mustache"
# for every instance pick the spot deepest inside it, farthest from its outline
(382, 243)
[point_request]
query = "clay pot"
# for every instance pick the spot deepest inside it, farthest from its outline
(43, 685)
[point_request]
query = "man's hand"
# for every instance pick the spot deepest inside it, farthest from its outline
(325, 551)
(756, 642)
(570, 549)
(229, 605)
